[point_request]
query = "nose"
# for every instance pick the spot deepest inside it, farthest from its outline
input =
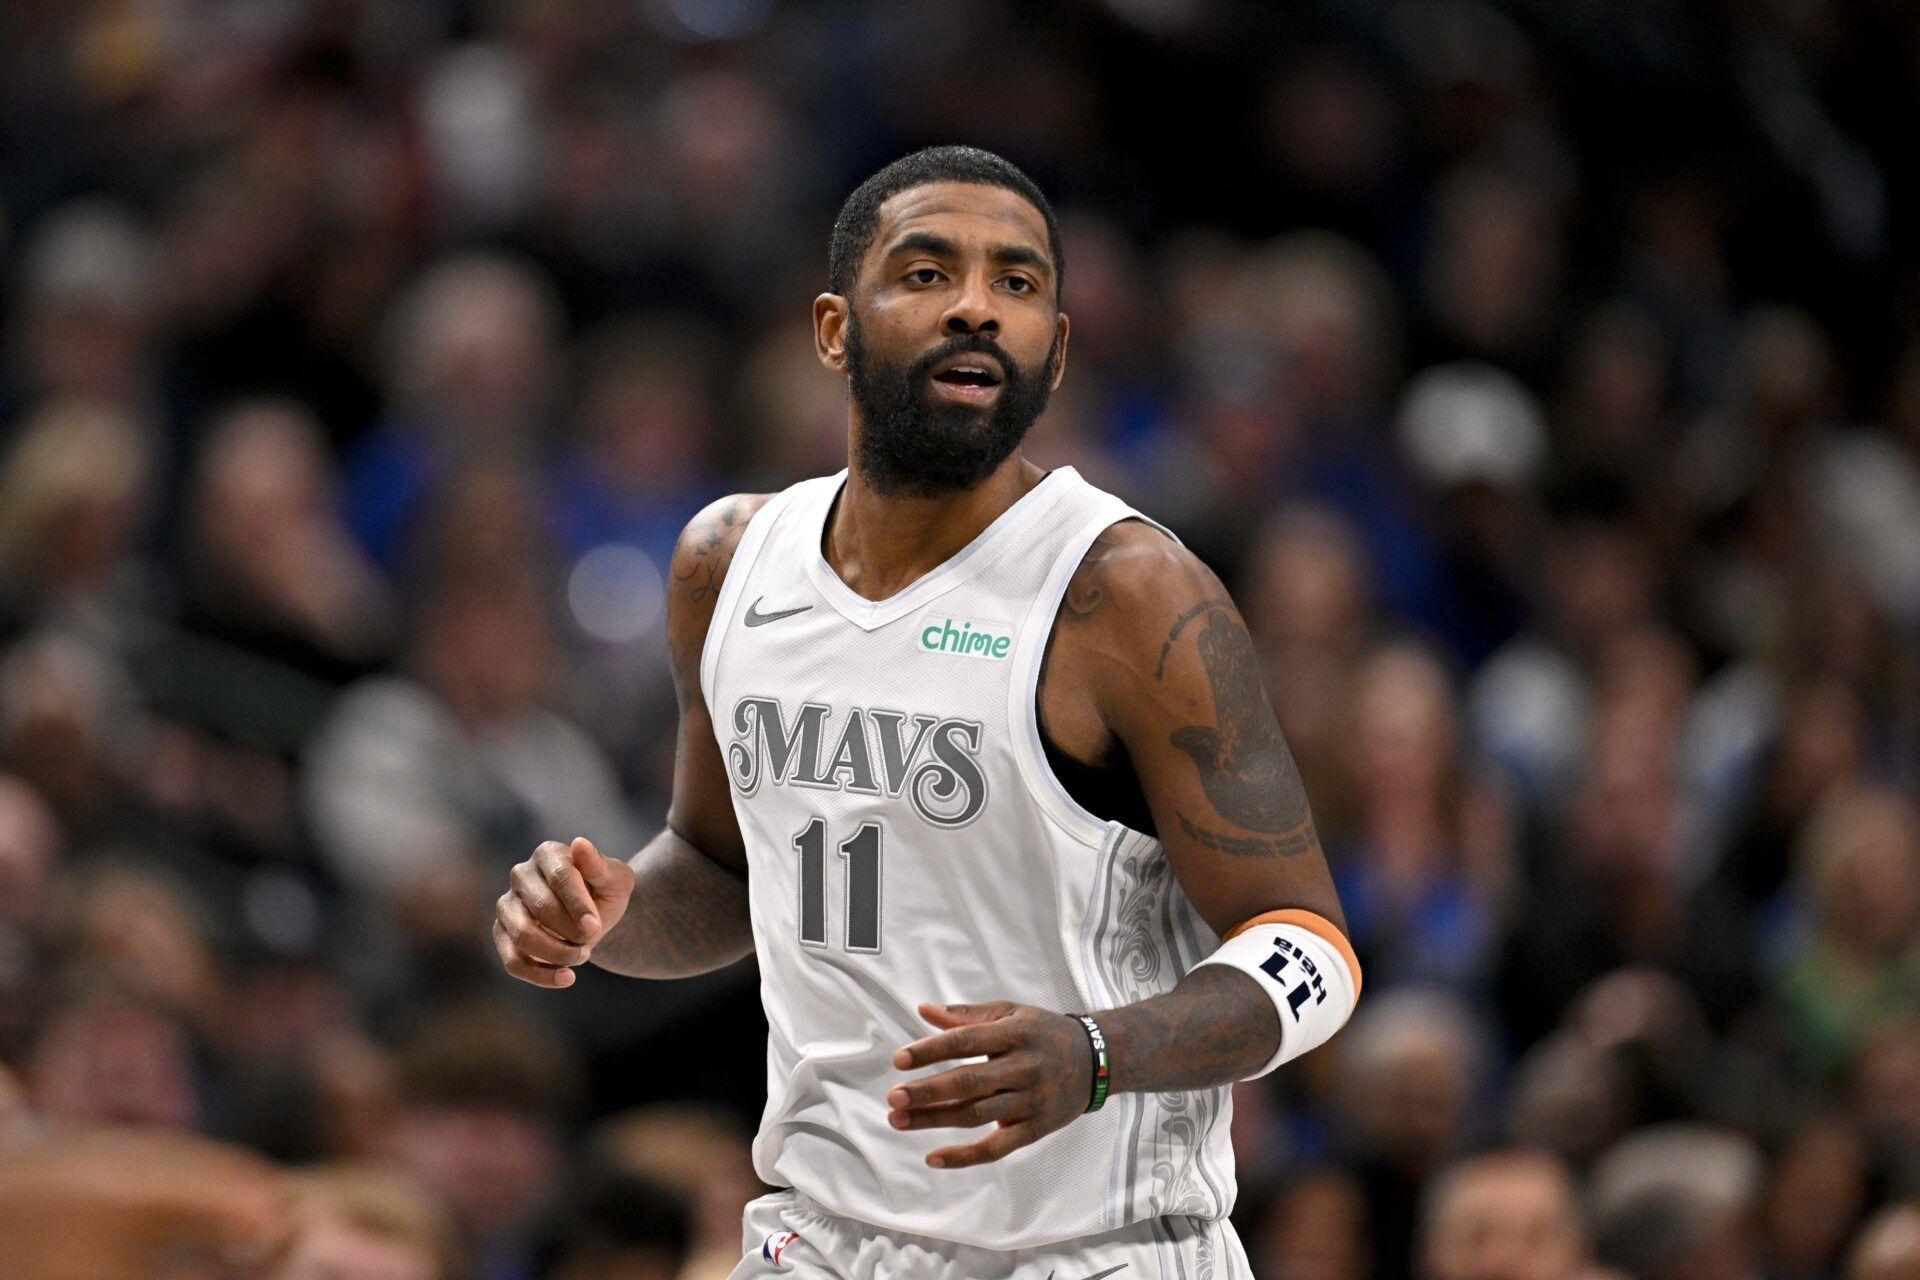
(972, 310)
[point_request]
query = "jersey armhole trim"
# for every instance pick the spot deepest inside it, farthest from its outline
(1042, 783)
(759, 524)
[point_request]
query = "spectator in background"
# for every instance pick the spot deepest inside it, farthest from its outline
(71, 727)
(1529, 704)
(85, 312)
(368, 1222)
(131, 923)
(1817, 1187)
(1884, 1094)
(1494, 271)
(1411, 1066)
(483, 1094)
(1474, 441)
(638, 465)
(423, 784)
(1506, 1215)
(1820, 745)
(618, 1225)
(32, 847)
(107, 1056)
(1888, 1247)
(74, 488)
(1613, 403)
(1425, 876)
(1620, 892)
(268, 567)
(638, 462)
(120, 1204)
(474, 345)
(1855, 968)
(698, 1155)
(1314, 1228)
(1679, 1202)
(1568, 1096)
(1311, 604)
(19, 1126)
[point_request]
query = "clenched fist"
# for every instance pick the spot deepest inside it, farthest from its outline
(558, 904)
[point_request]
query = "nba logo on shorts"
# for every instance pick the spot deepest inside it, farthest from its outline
(776, 1244)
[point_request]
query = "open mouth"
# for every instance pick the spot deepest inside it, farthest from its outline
(967, 378)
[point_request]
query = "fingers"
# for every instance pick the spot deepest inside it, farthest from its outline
(531, 938)
(969, 1041)
(531, 888)
(963, 1084)
(559, 876)
(540, 975)
(974, 1112)
(962, 1015)
(603, 875)
(1002, 1141)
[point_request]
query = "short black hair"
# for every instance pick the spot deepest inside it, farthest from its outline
(859, 218)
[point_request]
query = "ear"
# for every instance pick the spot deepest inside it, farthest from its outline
(1060, 359)
(830, 314)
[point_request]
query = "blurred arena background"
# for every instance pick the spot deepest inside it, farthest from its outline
(1542, 375)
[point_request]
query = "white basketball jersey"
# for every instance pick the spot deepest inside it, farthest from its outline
(907, 842)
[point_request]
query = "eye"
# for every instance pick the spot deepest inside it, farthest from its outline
(1025, 285)
(931, 274)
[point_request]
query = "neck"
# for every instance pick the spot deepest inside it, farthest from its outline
(879, 545)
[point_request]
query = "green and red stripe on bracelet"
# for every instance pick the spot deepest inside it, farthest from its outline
(1102, 1074)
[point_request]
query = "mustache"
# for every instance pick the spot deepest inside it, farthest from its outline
(964, 343)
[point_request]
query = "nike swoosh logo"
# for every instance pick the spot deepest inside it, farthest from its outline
(757, 619)
(1109, 1271)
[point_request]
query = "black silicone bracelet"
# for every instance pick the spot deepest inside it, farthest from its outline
(1102, 1075)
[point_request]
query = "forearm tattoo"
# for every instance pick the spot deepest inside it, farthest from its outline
(1215, 1027)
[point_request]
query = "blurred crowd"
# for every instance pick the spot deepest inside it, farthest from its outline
(1543, 377)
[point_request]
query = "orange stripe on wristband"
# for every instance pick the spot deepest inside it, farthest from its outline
(1313, 923)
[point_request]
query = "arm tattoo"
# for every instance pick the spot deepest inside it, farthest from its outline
(1245, 767)
(1248, 846)
(1179, 625)
(702, 549)
(1215, 1027)
(1086, 595)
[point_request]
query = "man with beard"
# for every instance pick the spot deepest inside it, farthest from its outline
(977, 760)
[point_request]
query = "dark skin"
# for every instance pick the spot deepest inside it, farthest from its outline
(1148, 659)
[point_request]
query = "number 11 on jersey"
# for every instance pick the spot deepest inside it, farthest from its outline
(862, 912)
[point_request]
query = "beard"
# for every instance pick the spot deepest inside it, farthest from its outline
(914, 445)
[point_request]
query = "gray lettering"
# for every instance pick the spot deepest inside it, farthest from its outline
(853, 758)
(896, 760)
(950, 790)
(796, 753)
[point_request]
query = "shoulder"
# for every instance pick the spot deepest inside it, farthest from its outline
(1143, 622)
(700, 561)
(1135, 578)
(707, 544)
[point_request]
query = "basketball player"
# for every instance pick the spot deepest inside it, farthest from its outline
(977, 760)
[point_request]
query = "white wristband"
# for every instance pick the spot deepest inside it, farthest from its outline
(1312, 982)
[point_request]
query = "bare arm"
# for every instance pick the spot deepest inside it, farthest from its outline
(688, 915)
(1148, 654)
(679, 906)
(1175, 676)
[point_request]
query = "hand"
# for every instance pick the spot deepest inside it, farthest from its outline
(1038, 1076)
(559, 903)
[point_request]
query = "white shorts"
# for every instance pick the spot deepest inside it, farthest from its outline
(787, 1235)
